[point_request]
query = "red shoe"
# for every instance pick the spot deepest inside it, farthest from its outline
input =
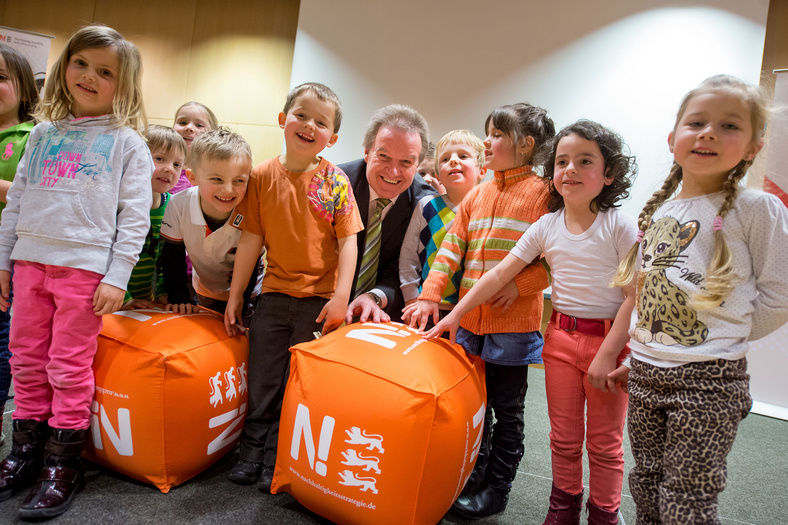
(564, 508)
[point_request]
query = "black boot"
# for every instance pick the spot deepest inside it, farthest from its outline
(60, 478)
(18, 471)
(474, 483)
(494, 495)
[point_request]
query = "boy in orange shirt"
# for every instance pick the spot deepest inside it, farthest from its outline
(301, 208)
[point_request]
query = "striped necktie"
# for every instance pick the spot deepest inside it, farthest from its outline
(369, 262)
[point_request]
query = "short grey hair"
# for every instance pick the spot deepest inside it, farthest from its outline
(403, 118)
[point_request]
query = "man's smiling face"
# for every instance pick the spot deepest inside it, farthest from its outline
(392, 161)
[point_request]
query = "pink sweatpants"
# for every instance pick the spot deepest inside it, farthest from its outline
(53, 341)
(567, 356)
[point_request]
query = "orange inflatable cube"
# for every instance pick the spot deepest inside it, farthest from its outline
(379, 425)
(171, 394)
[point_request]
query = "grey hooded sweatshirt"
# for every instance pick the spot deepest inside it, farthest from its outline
(81, 198)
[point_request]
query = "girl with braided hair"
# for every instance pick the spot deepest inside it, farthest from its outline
(710, 275)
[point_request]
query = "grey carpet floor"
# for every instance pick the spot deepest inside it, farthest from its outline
(756, 493)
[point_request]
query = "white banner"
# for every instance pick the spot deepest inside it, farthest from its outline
(768, 357)
(34, 46)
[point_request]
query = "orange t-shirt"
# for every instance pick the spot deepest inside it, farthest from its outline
(300, 216)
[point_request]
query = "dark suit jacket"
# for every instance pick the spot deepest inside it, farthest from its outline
(392, 232)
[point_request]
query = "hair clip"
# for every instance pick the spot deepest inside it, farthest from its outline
(717, 224)
(640, 236)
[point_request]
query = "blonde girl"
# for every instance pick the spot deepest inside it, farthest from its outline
(76, 219)
(504, 332)
(192, 120)
(18, 99)
(711, 277)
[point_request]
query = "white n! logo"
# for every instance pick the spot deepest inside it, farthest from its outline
(303, 427)
(478, 421)
(372, 335)
(121, 439)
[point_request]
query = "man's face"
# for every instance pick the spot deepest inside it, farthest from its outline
(392, 161)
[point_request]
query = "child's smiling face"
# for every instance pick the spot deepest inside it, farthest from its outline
(579, 172)
(91, 79)
(191, 122)
(308, 127)
(221, 183)
(712, 136)
(168, 169)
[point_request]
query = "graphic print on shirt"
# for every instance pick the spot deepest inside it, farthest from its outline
(9, 150)
(664, 312)
(329, 194)
(64, 156)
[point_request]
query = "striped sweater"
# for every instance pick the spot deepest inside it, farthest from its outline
(490, 220)
(147, 280)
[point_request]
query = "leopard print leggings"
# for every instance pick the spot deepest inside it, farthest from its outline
(682, 422)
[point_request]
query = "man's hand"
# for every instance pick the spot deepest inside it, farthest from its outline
(107, 299)
(366, 309)
(233, 317)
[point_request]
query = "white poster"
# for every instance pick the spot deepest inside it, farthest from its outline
(768, 357)
(34, 46)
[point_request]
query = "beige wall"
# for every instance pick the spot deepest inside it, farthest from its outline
(234, 56)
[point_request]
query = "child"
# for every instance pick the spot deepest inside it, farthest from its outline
(192, 120)
(76, 219)
(301, 208)
(197, 222)
(583, 240)
(427, 169)
(18, 96)
(460, 157)
(712, 278)
(504, 332)
(147, 278)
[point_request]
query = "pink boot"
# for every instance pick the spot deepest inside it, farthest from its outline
(564, 508)
(600, 516)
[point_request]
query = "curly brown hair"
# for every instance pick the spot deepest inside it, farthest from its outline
(619, 166)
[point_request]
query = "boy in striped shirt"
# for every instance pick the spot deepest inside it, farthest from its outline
(146, 283)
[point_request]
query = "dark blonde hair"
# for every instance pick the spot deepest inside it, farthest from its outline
(22, 76)
(127, 107)
(219, 144)
(461, 136)
(619, 166)
(165, 138)
(721, 276)
(322, 92)
(212, 120)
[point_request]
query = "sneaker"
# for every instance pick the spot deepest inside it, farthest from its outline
(266, 478)
(245, 472)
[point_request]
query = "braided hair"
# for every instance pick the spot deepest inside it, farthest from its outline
(721, 276)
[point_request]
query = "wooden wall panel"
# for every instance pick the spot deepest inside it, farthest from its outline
(242, 64)
(157, 28)
(58, 18)
(236, 58)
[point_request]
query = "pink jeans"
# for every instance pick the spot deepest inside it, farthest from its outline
(567, 356)
(53, 341)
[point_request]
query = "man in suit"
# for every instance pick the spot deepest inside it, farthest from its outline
(395, 143)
